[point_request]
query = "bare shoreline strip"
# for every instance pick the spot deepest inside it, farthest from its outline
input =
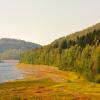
(10, 61)
(36, 72)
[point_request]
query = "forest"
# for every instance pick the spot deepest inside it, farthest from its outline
(79, 53)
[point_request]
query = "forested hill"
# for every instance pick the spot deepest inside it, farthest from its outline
(90, 29)
(79, 53)
(85, 35)
(11, 48)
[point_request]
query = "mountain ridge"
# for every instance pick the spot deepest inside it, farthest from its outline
(11, 48)
(74, 36)
(85, 30)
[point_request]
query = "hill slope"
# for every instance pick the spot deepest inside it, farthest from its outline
(87, 35)
(81, 55)
(11, 48)
(83, 32)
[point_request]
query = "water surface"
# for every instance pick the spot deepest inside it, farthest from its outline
(8, 72)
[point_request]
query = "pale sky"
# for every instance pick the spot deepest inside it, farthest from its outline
(42, 21)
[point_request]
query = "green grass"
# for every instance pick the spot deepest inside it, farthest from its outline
(46, 89)
(23, 89)
(72, 88)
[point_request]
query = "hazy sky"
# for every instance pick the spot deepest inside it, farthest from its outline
(42, 21)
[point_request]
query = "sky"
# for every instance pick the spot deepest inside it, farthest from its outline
(43, 21)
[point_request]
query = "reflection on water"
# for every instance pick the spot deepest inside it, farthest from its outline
(8, 71)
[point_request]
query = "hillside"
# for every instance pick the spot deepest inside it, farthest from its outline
(11, 48)
(79, 53)
(90, 29)
(89, 34)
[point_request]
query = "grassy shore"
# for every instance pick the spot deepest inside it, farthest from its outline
(48, 83)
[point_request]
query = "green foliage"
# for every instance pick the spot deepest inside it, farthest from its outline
(81, 55)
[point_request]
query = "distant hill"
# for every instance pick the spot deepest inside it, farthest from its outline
(11, 48)
(78, 52)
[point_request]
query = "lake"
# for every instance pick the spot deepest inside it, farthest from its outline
(8, 72)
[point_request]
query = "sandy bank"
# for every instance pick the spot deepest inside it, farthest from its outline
(34, 72)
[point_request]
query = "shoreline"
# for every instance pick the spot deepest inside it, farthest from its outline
(47, 81)
(10, 72)
(10, 61)
(36, 72)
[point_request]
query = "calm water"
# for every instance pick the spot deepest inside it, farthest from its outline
(8, 71)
